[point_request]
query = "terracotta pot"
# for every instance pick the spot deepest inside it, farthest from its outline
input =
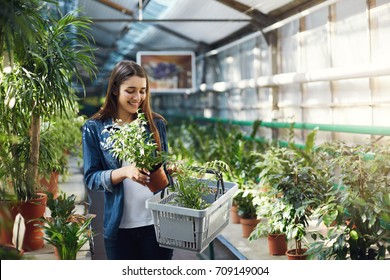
(56, 253)
(248, 225)
(292, 255)
(233, 215)
(32, 210)
(158, 180)
(277, 244)
(52, 184)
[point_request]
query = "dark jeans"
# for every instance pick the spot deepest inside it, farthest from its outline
(136, 244)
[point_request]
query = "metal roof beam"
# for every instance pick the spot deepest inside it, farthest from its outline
(169, 20)
(117, 7)
(257, 17)
(294, 8)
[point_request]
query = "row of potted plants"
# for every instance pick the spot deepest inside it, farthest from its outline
(40, 63)
(342, 187)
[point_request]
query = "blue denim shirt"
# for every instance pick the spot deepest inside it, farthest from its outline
(98, 165)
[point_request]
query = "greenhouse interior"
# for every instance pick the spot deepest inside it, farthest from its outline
(269, 121)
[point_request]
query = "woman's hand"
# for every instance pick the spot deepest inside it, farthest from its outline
(131, 172)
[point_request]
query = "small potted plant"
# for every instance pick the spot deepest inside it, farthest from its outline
(272, 225)
(246, 210)
(133, 143)
(64, 229)
(190, 191)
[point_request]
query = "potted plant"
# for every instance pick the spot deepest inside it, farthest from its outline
(131, 142)
(357, 208)
(60, 138)
(272, 225)
(191, 192)
(37, 84)
(246, 210)
(297, 181)
(234, 211)
(64, 229)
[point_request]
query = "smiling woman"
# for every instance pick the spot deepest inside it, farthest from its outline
(128, 99)
(132, 92)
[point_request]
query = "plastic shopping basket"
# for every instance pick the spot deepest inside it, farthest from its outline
(190, 229)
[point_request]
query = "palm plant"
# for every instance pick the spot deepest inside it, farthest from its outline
(40, 85)
(19, 22)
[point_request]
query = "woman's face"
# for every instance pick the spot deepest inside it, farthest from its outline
(132, 92)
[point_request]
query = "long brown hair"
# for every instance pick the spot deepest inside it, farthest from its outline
(121, 72)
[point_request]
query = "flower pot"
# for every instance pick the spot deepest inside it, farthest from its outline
(32, 210)
(277, 244)
(158, 180)
(292, 255)
(52, 184)
(233, 215)
(248, 225)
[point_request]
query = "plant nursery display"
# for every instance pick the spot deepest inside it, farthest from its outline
(133, 143)
(357, 208)
(39, 69)
(296, 183)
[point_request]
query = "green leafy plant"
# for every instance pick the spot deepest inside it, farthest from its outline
(244, 201)
(133, 143)
(272, 220)
(357, 208)
(62, 207)
(68, 236)
(37, 85)
(191, 185)
(296, 183)
(64, 229)
(200, 143)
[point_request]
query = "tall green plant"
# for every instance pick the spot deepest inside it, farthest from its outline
(20, 21)
(357, 208)
(40, 85)
(296, 183)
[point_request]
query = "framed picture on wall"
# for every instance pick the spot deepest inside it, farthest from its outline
(169, 71)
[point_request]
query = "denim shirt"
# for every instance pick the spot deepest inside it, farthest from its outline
(98, 165)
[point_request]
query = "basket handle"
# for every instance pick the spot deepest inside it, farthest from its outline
(217, 173)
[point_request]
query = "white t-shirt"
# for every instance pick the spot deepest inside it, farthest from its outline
(135, 213)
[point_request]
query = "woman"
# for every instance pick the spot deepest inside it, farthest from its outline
(128, 225)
